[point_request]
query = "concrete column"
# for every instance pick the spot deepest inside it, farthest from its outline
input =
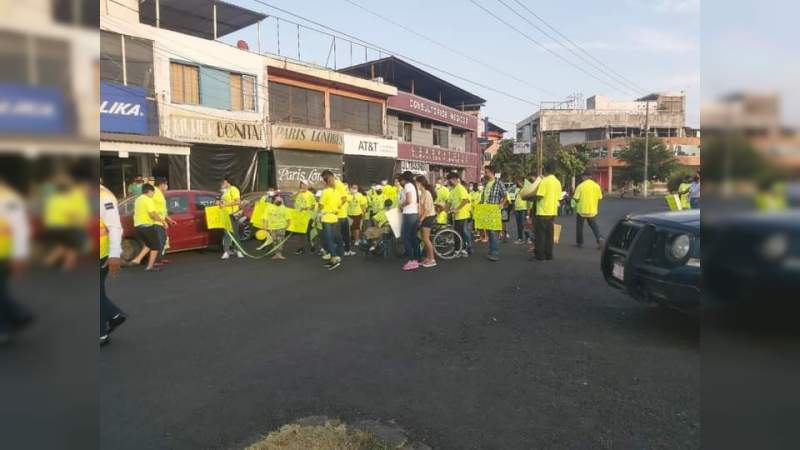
(610, 179)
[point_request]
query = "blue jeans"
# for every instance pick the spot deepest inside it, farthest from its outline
(409, 234)
(332, 239)
(494, 243)
(519, 217)
(694, 203)
(344, 230)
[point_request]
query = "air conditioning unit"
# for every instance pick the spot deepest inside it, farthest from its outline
(378, 79)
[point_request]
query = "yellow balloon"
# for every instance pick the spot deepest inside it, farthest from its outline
(261, 235)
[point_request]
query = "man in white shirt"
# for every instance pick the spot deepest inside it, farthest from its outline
(14, 250)
(410, 204)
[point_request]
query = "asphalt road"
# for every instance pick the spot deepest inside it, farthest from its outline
(471, 354)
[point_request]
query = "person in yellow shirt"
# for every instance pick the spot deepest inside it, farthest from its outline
(66, 218)
(390, 193)
(229, 201)
(521, 208)
(330, 202)
(587, 196)
(459, 204)
(475, 192)
(276, 220)
(145, 215)
(548, 195)
(306, 203)
(355, 210)
(344, 222)
(377, 203)
(161, 228)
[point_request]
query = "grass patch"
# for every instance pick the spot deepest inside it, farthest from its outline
(331, 436)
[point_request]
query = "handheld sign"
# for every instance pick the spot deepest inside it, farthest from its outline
(298, 221)
(394, 218)
(216, 218)
(488, 217)
(257, 218)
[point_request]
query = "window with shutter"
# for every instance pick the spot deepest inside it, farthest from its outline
(236, 91)
(291, 104)
(249, 92)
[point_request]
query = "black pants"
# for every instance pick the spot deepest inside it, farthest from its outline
(12, 314)
(344, 229)
(579, 228)
(108, 310)
(543, 235)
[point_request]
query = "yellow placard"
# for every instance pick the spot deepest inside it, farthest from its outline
(674, 202)
(216, 218)
(298, 221)
(488, 217)
(257, 218)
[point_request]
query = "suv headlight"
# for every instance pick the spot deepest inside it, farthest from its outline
(775, 247)
(680, 247)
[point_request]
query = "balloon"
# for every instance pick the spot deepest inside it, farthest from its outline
(261, 235)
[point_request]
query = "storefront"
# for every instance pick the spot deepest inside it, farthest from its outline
(368, 160)
(302, 153)
(129, 141)
(221, 147)
(439, 161)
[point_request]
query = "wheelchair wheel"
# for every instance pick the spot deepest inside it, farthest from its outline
(447, 243)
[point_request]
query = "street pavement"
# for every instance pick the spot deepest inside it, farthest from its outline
(468, 355)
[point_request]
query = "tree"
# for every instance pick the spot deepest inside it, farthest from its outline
(569, 161)
(660, 163)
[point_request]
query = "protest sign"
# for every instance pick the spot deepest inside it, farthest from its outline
(217, 218)
(394, 218)
(488, 217)
(257, 218)
(298, 221)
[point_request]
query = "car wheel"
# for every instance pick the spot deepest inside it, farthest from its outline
(130, 248)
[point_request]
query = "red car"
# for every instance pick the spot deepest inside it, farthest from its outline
(187, 208)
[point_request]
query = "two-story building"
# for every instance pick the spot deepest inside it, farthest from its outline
(434, 121)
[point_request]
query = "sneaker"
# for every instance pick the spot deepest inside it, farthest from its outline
(519, 241)
(104, 340)
(431, 263)
(116, 321)
(411, 265)
(464, 254)
(326, 257)
(299, 251)
(239, 254)
(225, 255)
(493, 258)
(335, 263)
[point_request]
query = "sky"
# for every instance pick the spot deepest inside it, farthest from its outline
(653, 43)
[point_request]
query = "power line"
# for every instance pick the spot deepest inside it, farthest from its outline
(637, 86)
(616, 79)
(544, 47)
(446, 47)
(389, 52)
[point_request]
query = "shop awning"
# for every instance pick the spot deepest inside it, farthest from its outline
(137, 143)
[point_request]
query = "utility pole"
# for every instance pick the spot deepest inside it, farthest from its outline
(646, 146)
(539, 143)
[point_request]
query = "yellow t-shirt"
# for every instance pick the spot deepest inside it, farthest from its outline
(231, 195)
(161, 202)
(519, 203)
(277, 217)
(341, 190)
(390, 192)
(456, 196)
(442, 195)
(142, 207)
(329, 204)
(357, 205)
(587, 196)
(305, 201)
(67, 209)
(549, 193)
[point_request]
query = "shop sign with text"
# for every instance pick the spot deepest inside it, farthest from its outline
(307, 138)
(423, 107)
(415, 167)
(369, 146)
(210, 130)
(436, 156)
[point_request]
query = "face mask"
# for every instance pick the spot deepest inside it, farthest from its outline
(278, 203)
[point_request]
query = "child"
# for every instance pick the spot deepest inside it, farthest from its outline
(276, 221)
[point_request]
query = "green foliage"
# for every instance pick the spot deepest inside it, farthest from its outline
(661, 164)
(735, 158)
(677, 178)
(569, 161)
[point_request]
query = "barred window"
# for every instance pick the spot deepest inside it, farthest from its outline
(291, 104)
(357, 115)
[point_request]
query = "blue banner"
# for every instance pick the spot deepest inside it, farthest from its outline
(31, 109)
(123, 109)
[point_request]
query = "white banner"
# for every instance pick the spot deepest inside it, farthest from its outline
(522, 148)
(369, 146)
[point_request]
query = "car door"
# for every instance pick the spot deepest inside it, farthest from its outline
(181, 234)
(205, 236)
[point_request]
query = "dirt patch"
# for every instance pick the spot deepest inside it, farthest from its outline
(332, 435)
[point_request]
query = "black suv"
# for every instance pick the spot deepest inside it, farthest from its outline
(655, 258)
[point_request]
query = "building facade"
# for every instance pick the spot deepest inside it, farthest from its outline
(606, 126)
(434, 122)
